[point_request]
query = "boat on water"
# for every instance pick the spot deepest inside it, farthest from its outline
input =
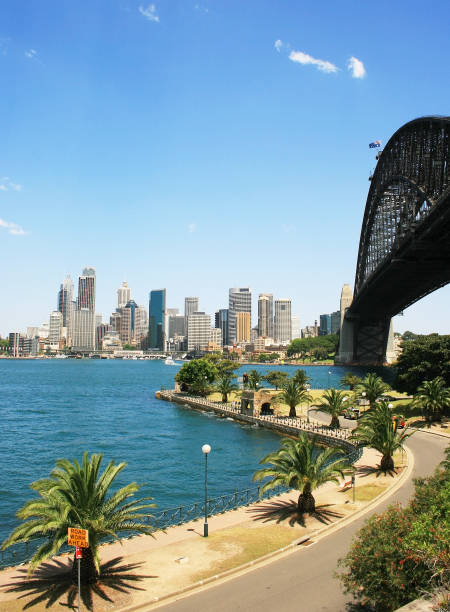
(169, 361)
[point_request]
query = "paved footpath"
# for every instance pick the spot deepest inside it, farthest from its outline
(303, 580)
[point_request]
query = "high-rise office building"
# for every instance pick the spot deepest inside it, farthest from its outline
(55, 328)
(283, 321)
(190, 306)
(86, 290)
(198, 331)
(140, 325)
(157, 320)
(123, 295)
(240, 300)
(83, 334)
(296, 329)
(65, 302)
(325, 325)
(176, 325)
(335, 322)
(265, 315)
(221, 322)
(243, 327)
(100, 332)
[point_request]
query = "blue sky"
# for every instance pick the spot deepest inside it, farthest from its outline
(200, 145)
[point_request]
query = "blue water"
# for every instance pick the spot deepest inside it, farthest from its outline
(51, 409)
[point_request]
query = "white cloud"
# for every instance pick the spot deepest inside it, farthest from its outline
(303, 58)
(192, 227)
(31, 53)
(149, 12)
(200, 8)
(12, 228)
(357, 68)
(6, 185)
(278, 44)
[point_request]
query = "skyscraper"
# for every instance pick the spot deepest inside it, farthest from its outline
(296, 329)
(221, 322)
(123, 295)
(65, 302)
(55, 328)
(86, 290)
(335, 322)
(283, 321)
(243, 327)
(84, 317)
(325, 325)
(198, 331)
(240, 300)
(157, 319)
(265, 315)
(190, 306)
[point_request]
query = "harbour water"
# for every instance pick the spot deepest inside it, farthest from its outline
(51, 409)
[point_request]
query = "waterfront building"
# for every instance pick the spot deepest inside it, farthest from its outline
(325, 325)
(215, 339)
(335, 322)
(101, 331)
(265, 315)
(283, 321)
(157, 320)
(83, 338)
(111, 342)
(125, 332)
(221, 322)
(242, 327)
(140, 325)
(55, 329)
(123, 295)
(198, 331)
(65, 303)
(86, 290)
(115, 321)
(14, 344)
(296, 329)
(176, 325)
(32, 331)
(346, 300)
(239, 300)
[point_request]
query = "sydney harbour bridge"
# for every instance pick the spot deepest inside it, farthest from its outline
(404, 249)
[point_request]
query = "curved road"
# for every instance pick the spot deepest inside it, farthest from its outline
(303, 580)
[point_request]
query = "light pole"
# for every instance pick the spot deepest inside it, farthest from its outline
(206, 449)
(329, 374)
(307, 387)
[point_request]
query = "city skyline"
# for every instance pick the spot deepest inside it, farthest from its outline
(217, 145)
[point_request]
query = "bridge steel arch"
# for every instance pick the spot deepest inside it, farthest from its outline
(404, 249)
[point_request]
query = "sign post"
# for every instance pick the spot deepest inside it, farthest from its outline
(80, 539)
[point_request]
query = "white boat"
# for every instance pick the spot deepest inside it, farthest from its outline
(169, 361)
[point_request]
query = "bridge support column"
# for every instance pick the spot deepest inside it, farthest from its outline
(346, 353)
(390, 352)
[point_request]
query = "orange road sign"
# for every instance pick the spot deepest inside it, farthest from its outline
(78, 537)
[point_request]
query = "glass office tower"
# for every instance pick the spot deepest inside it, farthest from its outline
(157, 320)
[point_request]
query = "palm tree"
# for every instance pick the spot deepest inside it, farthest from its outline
(334, 402)
(378, 429)
(254, 379)
(350, 380)
(225, 385)
(433, 397)
(77, 496)
(303, 465)
(301, 378)
(372, 388)
(292, 395)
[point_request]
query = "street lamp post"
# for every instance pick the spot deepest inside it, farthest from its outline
(307, 387)
(329, 374)
(206, 449)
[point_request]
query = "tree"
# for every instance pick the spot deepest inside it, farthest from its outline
(373, 387)
(301, 378)
(433, 397)
(350, 380)
(197, 375)
(378, 429)
(403, 552)
(254, 379)
(292, 395)
(77, 496)
(303, 465)
(276, 378)
(129, 347)
(225, 385)
(334, 402)
(422, 358)
(300, 346)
